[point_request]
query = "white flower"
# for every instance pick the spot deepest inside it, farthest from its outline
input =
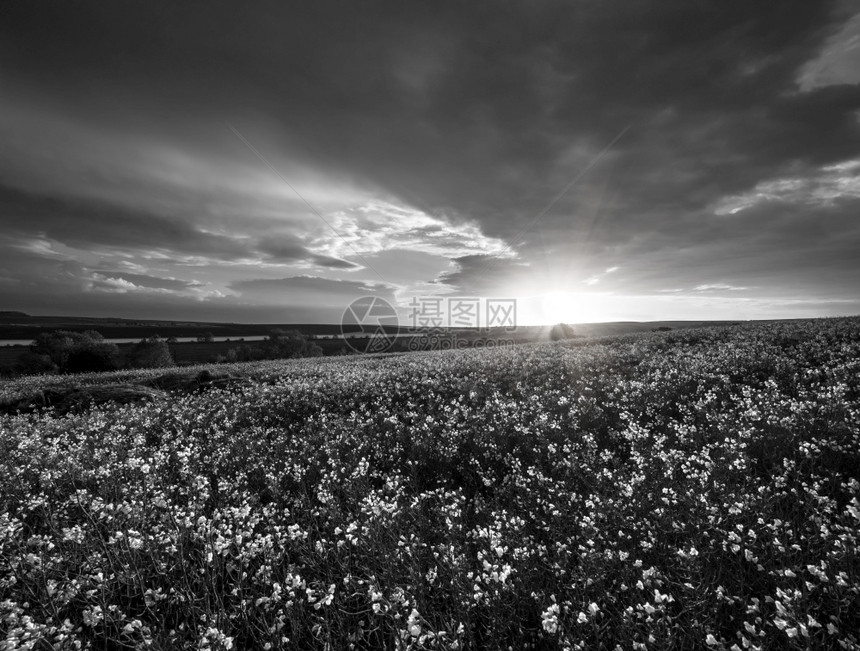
(710, 640)
(550, 619)
(413, 624)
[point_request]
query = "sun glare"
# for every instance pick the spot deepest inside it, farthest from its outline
(561, 307)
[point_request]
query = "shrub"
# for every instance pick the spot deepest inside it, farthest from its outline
(151, 352)
(561, 331)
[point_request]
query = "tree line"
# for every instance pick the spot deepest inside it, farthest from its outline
(63, 351)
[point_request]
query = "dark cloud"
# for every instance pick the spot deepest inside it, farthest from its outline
(290, 250)
(304, 283)
(477, 112)
(89, 223)
(328, 297)
(283, 250)
(484, 274)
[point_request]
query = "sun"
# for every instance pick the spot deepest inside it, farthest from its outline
(563, 307)
(560, 307)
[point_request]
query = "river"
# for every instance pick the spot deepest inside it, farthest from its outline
(132, 340)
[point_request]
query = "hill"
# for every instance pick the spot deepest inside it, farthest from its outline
(676, 489)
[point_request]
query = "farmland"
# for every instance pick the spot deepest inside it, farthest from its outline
(674, 490)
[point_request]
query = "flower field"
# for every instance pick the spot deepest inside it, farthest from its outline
(677, 490)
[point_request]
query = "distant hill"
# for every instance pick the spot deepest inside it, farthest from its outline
(19, 325)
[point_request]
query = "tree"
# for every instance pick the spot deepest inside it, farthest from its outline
(561, 331)
(289, 344)
(150, 352)
(93, 358)
(75, 352)
(56, 346)
(206, 337)
(32, 363)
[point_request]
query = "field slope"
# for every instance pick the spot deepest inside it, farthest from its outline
(673, 490)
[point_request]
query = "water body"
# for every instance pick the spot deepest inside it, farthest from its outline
(233, 339)
(133, 340)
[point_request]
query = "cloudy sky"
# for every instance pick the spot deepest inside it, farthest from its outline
(271, 161)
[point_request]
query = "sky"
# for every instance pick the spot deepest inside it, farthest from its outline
(596, 160)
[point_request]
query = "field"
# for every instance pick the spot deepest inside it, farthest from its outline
(693, 489)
